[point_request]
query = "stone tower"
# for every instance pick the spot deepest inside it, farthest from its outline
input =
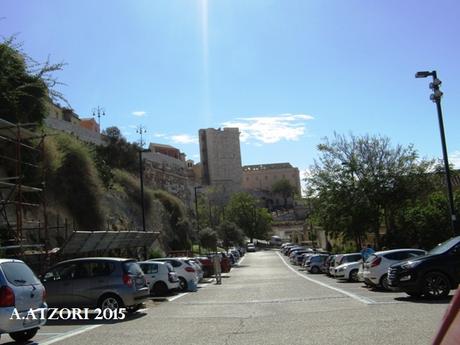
(221, 159)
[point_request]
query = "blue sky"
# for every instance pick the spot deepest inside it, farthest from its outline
(287, 72)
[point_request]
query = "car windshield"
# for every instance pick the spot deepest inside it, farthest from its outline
(445, 246)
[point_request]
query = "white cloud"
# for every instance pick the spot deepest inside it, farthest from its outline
(159, 135)
(271, 128)
(184, 139)
(454, 158)
(139, 113)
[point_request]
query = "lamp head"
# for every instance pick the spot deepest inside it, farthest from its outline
(423, 74)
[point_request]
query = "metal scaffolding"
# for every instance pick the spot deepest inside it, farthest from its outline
(22, 190)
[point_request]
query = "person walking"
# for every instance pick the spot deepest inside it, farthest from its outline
(366, 252)
(217, 268)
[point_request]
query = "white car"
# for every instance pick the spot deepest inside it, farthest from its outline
(160, 276)
(376, 266)
(341, 259)
(20, 293)
(348, 271)
(251, 247)
(185, 271)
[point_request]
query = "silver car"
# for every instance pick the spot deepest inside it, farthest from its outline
(96, 282)
(21, 294)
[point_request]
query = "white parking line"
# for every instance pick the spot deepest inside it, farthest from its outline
(358, 298)
(69, 334)
(177, 297)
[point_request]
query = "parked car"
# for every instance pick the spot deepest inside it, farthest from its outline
(206, 264)
(250, 247)
(235, 253)
(375, 268)
(225, 263)
(327, 264)
(198, 267)
(291, 249)
(185, 271)
(22, 291)
(294, 254)
(333, 264)
(315, 263)
(432, 275)
(160, 276)
(96, 282)
(287, 248)
(346, 267)
(348, 271)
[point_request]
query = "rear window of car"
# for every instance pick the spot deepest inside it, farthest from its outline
(175, 263)
(149, 268)
(132, 268)
(170, 268)
(19, 274)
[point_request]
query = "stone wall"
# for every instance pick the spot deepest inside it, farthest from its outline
(80, 132)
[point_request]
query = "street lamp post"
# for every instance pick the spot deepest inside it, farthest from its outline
(98, 112)
(436, 98)
(141, 130)
(197, 216)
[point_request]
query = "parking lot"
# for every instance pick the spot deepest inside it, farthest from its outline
(265, 300)
(358, 290)
(60, 330)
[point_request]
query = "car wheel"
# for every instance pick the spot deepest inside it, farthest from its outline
(24, 336)
(353, 276)
(436, 285)
(160, 289)
(183, 286)
(112, 302)
(314, 270)
(384, 282)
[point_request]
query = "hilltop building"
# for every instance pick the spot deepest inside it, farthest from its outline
(259, 179)
(221, 159)
(66, 120)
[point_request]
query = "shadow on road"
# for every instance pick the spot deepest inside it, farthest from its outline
(422, 300)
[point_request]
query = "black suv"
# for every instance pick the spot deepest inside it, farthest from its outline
(432, 275)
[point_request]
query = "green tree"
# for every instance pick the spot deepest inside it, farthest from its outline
(284, 188)
(425, 223)
(118, 153)
(244, 211)
(230, 234)
(208, 238)
(26, 86)
(361, 182)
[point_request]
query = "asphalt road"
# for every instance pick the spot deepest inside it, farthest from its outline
(266, 301)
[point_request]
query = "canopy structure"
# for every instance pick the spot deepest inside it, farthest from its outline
(91, 241)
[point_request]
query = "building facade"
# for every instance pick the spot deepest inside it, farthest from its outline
(259, 180)
(221, 159)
